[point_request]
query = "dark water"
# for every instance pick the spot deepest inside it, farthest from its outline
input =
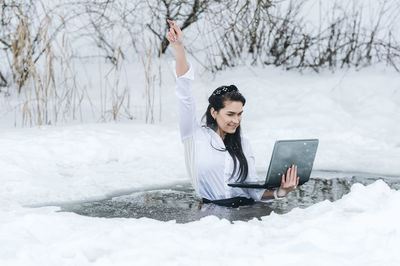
(179, 202)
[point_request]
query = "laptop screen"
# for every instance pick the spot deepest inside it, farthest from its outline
(291, 152)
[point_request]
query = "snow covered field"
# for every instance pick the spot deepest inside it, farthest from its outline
(354, 114)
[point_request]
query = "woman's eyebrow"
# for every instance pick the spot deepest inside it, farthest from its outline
(232, 112)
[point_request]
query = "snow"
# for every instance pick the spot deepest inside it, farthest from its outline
(354, 115)
(362, 228)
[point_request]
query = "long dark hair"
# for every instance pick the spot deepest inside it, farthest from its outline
(233, 142)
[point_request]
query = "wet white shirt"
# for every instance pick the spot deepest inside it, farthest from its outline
(209, 169)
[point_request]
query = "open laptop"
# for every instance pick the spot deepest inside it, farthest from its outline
(286, 153)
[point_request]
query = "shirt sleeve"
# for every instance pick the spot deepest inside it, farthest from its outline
(186, 104)
(252, 176)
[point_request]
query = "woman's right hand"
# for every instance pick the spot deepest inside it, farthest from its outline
(175, 35)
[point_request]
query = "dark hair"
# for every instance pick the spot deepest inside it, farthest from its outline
(233, 142)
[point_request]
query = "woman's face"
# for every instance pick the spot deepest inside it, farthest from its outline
(229, 117)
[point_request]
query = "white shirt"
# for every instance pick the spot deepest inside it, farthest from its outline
(210, 170)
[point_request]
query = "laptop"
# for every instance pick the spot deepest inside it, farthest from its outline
(300, 152)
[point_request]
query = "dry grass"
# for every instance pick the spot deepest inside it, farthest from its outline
(48, 86)
(120, 98)
(150, 62)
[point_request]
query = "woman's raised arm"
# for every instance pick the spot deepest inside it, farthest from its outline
(175, 38)
(186, 104)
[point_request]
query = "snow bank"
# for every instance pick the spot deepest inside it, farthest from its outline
(48, 164)
(363, 228)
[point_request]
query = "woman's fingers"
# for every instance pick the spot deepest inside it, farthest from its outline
(291, 177)
(177, 29)
(174, 26)
(288, 174)
(173, 33)
(170, 38)
(176, 33)
(294, 175)
(291, 180)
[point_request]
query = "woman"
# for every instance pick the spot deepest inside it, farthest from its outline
(216, 154)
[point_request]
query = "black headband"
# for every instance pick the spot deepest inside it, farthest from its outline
(224, 89)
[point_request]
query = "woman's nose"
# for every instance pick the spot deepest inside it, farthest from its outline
(235, 120)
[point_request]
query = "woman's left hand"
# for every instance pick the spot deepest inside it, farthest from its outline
(175, 35)
(289, 182)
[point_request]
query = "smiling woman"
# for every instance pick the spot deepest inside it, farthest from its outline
(223, 115)
(216, 153)
(225, 110)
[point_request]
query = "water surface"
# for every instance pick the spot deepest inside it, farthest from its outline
(180, 203)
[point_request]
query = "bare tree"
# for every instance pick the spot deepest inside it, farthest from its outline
(186, 12)
(272, 33)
